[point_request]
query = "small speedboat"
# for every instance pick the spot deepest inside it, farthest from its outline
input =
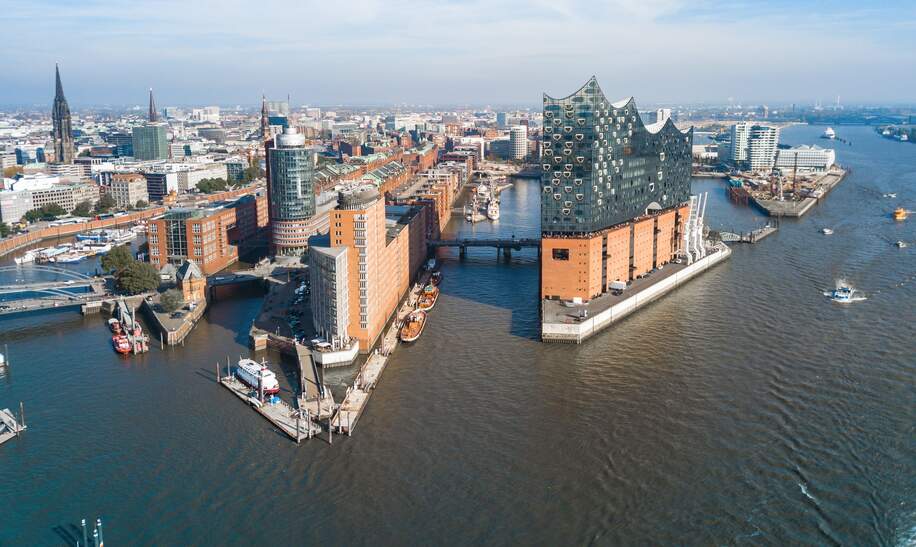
(901, 244)
(826, 231)
(844, 294)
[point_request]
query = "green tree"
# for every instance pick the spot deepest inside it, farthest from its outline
(142, 204)
(117, 259)
(137, 277)
(82, 209)
(105, 203)
(251, 172)
(209, 186)
(4, 229)
(46, 212)
(171, 300)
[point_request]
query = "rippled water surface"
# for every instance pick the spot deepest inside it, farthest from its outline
(742, 409)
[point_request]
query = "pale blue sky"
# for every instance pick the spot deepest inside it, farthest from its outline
(457, 51)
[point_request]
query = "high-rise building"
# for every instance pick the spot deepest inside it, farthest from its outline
(60, 117)
(750, 146)
(330, 288)
(291, 192)
(518, 142)
(150, 141)
(501, 120)
(614, 193)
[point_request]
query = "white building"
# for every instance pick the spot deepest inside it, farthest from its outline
(15, 203)
(805, 158)
(751, 147)
(518, 142)
(330, 298)
(128, 188)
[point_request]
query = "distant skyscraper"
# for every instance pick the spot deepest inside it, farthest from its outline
(501, 118)
(60, 116)
(750, 146)
(290, 192)
(150, 142)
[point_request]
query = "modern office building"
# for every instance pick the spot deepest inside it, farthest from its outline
(60, 118)
(290, 192)
(615, 193)
(160, 184)
(518, 142)
(750, 146)
(128, 188)
(330, 288)
(30, 193)
(805, 159)
(501, 120)
(150, 142)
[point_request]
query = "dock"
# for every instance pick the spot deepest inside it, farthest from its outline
(749, 237)
(282, 415)
(10, 427)
(357, 397)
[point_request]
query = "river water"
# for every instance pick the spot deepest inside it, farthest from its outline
(744, 408)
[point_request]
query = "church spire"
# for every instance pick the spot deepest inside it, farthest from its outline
(153, 115)
(265, 121)
(60, 119)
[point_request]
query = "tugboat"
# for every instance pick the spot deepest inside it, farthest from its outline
(121, 344)
(844, 294)
(428, 297)
(413, 326)
(254, 375)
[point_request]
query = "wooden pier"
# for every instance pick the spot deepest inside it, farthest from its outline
(10, 427)
(295, 424)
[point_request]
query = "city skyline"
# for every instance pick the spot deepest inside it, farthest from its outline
(391, 53)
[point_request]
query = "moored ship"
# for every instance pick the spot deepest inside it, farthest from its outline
(493, 209)
(257, 375)
(121, 344)
(428, 297)
(413, 326)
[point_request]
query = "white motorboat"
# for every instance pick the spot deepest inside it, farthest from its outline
(844, 294)
(493, 209)
(829, 133)
(826, 231)
(901, 244)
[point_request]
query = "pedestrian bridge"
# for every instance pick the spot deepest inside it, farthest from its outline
(506, 245)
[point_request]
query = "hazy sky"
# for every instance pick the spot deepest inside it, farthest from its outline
(457, 51)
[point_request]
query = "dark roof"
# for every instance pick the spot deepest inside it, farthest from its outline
(189, 270)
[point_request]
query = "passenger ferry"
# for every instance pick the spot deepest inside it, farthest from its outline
(107, 236)
(255, 375)
(413, 326)
(829, 133)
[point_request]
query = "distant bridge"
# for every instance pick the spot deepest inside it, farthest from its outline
(506, 245)
(54, 294)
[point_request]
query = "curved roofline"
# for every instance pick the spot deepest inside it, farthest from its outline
(620, 104)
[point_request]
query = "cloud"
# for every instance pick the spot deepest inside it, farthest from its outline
(455, 50)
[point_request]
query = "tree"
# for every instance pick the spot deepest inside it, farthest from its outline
(137, 277)
(105, 203)
(251, 172)
(142, 204)
(4, 229)
(171, 300)
(209, 186)
(46, 212)
(117, 259)
(82, 209)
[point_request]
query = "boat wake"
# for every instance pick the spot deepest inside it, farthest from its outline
(845, 293)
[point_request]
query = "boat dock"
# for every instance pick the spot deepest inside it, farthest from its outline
(750, 237)
(357, 397)
(10, 427)
(282, 415)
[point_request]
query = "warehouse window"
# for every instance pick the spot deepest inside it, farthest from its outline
(561, 254)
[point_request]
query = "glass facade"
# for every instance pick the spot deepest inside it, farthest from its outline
(150, 142)
(601, 166)
(292, 188)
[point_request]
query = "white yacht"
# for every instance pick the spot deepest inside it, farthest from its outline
(826, 231)
(493, 209)
(829, 133)
(255, 375)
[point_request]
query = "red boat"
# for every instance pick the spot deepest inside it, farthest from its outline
(121, 344)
